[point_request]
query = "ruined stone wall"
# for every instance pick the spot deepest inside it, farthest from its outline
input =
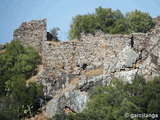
(74, 56)
(32, 33)
(92, 50)
(79, 66)
(112, 54)
(75, 68)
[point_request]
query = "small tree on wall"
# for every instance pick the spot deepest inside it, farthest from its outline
(54, 33)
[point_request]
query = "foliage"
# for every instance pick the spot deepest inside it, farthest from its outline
(146, 95)
(75, 116)
(83, 24)
(18, 98)
(111, 22)
(17, 60)
(54, 33)
(26, 97)
(112, 102)
(138, 21)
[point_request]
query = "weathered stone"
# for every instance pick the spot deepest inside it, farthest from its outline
(126, 75)
(70, 66)
(88, 85)
(32, 33)
(75, 100)
(127, 58)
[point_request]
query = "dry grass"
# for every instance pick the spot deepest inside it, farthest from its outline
(74, 40)
(67, 111)
(40, 67)
(104, 46)
(2, 51)
(55, 43)
(94, 72)
(64, 90)
(74, 81)
(32, 79)
(40, 116)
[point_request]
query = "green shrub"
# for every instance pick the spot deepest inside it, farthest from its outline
(16, 60)
(138, 21)
(54, 34)
(18, 98)
(110, 22)
(83, 24)
(112, 102)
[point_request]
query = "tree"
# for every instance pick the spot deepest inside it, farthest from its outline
(138, 21)
(145, 95)
(110, 22)
(25, 97)
(54, 33)
(112, 102)
(105, 18)
(17, 98)
(83, 24)
(16, 60)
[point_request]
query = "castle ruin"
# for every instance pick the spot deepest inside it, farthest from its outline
(75, 67)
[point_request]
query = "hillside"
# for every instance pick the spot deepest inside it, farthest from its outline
(71, 70)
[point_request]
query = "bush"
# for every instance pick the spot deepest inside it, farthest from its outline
(17, 98)
(83, 24)
(53, 35)
(110, 22)
(113, 101)
(16, 60)
(138, 21)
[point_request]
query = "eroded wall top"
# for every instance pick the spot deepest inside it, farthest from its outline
(32, 33)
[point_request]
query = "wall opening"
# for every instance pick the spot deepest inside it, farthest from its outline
(49, 36)
(132, 41)
(84, 66)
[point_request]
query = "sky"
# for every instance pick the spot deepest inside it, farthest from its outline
(59, 13)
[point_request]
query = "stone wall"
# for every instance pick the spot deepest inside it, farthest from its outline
(32, 33)
(112, 54)
(71, 70)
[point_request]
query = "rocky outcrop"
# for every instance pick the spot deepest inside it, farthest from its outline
(71, 70)
(74, 101)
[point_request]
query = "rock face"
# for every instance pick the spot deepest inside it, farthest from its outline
(74, 101)
(71, 70)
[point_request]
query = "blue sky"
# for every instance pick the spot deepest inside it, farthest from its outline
(59, 13)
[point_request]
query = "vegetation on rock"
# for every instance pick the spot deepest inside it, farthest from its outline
(111, 22)
(54, 34)
(112, 102)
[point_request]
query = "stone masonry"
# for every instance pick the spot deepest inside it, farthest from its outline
(72, 69)
(32, 33)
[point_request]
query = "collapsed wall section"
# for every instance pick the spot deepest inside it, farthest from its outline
(32, 33)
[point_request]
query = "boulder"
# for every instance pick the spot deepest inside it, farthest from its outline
(75, 101)
(127, 58)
